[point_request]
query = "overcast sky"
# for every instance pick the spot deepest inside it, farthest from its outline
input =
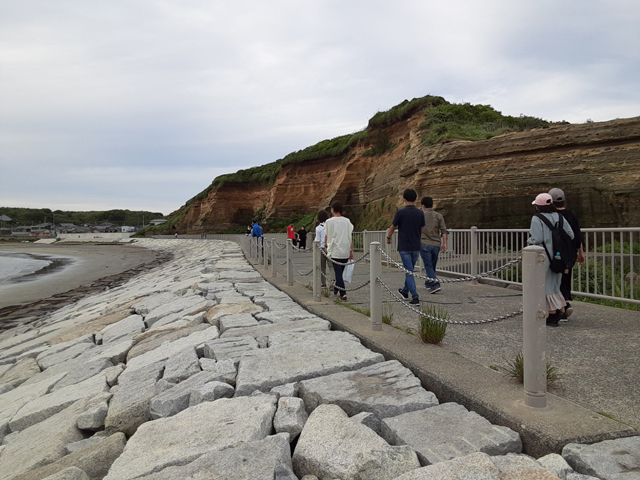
(141, 104)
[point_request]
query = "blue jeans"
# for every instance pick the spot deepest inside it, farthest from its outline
(409, 260)
(338, 270)
(429, 256)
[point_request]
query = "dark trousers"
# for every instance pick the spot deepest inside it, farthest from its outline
(339, 269)
(565, 285)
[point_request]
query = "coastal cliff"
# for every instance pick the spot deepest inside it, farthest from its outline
(487, 183)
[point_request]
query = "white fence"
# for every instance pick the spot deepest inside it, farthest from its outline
(611, 270)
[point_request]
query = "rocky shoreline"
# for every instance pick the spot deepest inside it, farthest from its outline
(199, 368)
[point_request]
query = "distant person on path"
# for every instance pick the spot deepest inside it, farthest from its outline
(302, 238)
(176, 235)
(291, 233)
(559, 200)
(339, 245)
(433, 240)
(249, 229)
(256, 231)
(540, 234)
(322, 217)
(409, 221)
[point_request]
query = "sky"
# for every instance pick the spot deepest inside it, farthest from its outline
(140, 104)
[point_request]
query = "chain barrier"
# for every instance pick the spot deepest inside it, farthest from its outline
(358, 260)
(399, 266)
(278, 246)
(444, 320)
(331, 284)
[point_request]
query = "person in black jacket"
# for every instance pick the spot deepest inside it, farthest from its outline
(559, 200)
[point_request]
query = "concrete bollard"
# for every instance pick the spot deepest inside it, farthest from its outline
(273, 257)
(375, 297)
(289, 261)
(473, 251)
(317, 281)
(534, 339)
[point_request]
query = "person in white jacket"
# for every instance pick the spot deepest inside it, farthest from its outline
(339, 245)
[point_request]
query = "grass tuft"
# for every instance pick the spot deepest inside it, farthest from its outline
(515, 369)
(433, 331)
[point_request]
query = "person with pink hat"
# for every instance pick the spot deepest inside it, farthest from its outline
(540, 234)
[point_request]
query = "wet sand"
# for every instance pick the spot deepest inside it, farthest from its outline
(90, 263)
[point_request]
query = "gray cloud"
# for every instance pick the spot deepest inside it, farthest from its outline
(141, 104)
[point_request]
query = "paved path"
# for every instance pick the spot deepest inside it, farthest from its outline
(596, 352)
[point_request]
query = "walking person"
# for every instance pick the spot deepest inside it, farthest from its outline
(291, 234)
(256, 231)
(321, 217)
(409, 221)
(338, 231)
(432, 241)
(302, 238)
(559, 200)
(540, 234)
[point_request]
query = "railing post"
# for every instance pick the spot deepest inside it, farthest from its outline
(317, 289)
(273, 257)
(534, 338)
(365, 244)
(473, 246)
(375, 297)
(265, 254)
(289, 261)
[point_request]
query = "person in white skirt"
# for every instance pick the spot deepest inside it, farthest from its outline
(541, 234)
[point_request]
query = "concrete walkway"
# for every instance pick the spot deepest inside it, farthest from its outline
(596, 398)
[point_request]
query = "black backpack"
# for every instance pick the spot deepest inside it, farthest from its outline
(565, 253)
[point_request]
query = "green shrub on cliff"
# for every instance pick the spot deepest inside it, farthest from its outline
(464, 121)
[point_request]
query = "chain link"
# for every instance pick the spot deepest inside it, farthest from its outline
(450, 280)
(358, 260)
(444, 320)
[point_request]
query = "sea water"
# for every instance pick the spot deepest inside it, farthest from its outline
(19, 267)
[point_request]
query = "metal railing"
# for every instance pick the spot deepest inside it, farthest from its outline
(611, 270)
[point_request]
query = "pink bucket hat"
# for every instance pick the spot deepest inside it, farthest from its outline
(543, 199)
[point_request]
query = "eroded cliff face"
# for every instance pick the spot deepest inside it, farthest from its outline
(488, 183)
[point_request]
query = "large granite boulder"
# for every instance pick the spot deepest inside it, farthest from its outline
(41, 408)
(521, 466)
(475, 466)
(95, 460)
(20, 372)
(13, 400)
(333, 446)
(181, 365)
(176, 398)
(129, 407)
(617, 459)
(42, 443)
(305, 325)
(125, 328)
(448, 431)
(300, 356)
(269, 458)
(166, 350)
(290, 417)
(201, 429)
(386, 389)
(231, 348)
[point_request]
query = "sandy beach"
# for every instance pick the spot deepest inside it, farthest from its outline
(90, 263)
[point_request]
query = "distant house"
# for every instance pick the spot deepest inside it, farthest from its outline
(106, 227)
(158, 221)
(127, 229)
(21, 231)
(4, 218)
